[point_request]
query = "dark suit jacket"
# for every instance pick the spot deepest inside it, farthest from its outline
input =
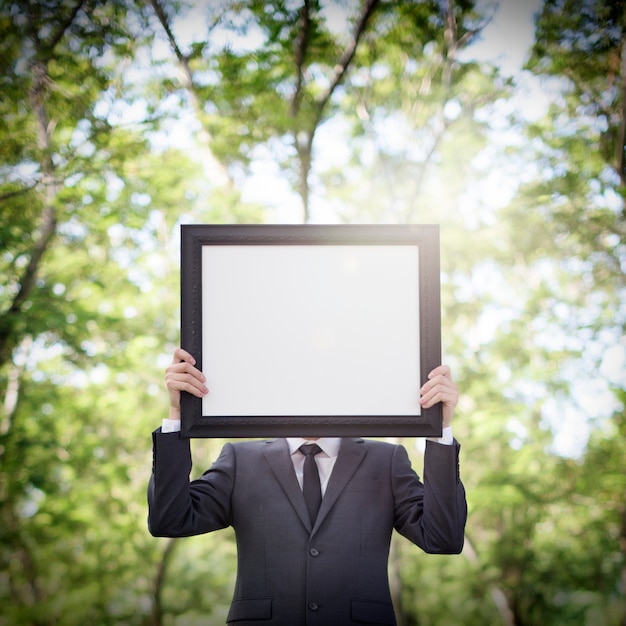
(292, 574)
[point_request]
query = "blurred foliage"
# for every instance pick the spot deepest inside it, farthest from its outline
(115, 129)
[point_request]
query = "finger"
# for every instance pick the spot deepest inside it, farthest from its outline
(446, 400)
(441, 370)
(182, 375)
(440, 390)
(186, 381)
(184, 367)
(446, 397)
(183, 355)
(193, 389)
(439, 376)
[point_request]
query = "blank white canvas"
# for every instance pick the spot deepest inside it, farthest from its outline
(323, 330)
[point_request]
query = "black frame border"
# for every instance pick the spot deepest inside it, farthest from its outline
(424, 236)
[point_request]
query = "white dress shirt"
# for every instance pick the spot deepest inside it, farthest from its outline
(325, 459)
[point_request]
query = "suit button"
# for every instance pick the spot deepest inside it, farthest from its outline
(314, 552)
(313, 606)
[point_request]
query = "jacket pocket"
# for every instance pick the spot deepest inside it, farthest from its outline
(250, 609)
(373, 613)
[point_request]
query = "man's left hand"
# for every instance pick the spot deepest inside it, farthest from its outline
(440, 388)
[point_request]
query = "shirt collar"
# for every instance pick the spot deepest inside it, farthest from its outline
(329, 445)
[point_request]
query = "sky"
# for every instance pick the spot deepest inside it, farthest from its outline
(507, 38)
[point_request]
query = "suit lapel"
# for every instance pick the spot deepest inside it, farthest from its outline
(277, 455)
(351, 453)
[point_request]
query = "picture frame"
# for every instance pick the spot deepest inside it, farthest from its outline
(311, 330)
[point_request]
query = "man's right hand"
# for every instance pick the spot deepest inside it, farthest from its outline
(182, 375)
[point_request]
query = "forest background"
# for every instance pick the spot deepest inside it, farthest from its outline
(121, 120)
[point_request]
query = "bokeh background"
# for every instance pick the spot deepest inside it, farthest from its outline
(504, 122)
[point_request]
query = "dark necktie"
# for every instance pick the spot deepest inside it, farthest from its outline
(311, 484)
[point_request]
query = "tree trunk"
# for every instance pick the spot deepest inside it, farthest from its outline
(497, 595)
(48, 218)
(159, 583)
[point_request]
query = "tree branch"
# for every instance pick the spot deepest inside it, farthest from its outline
(341, 68)
(48, 220)
(215, 166)
(620, 147)
(182, 58)
(304, 147)
(300, 50)
(17, 192)
(56, 37)
(12, 392)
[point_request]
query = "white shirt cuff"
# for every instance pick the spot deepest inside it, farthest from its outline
(446, 437)
(170, 426)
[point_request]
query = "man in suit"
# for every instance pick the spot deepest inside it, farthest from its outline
(297, 566)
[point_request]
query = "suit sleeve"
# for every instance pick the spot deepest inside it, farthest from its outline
(178, 507)
(431, 514)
